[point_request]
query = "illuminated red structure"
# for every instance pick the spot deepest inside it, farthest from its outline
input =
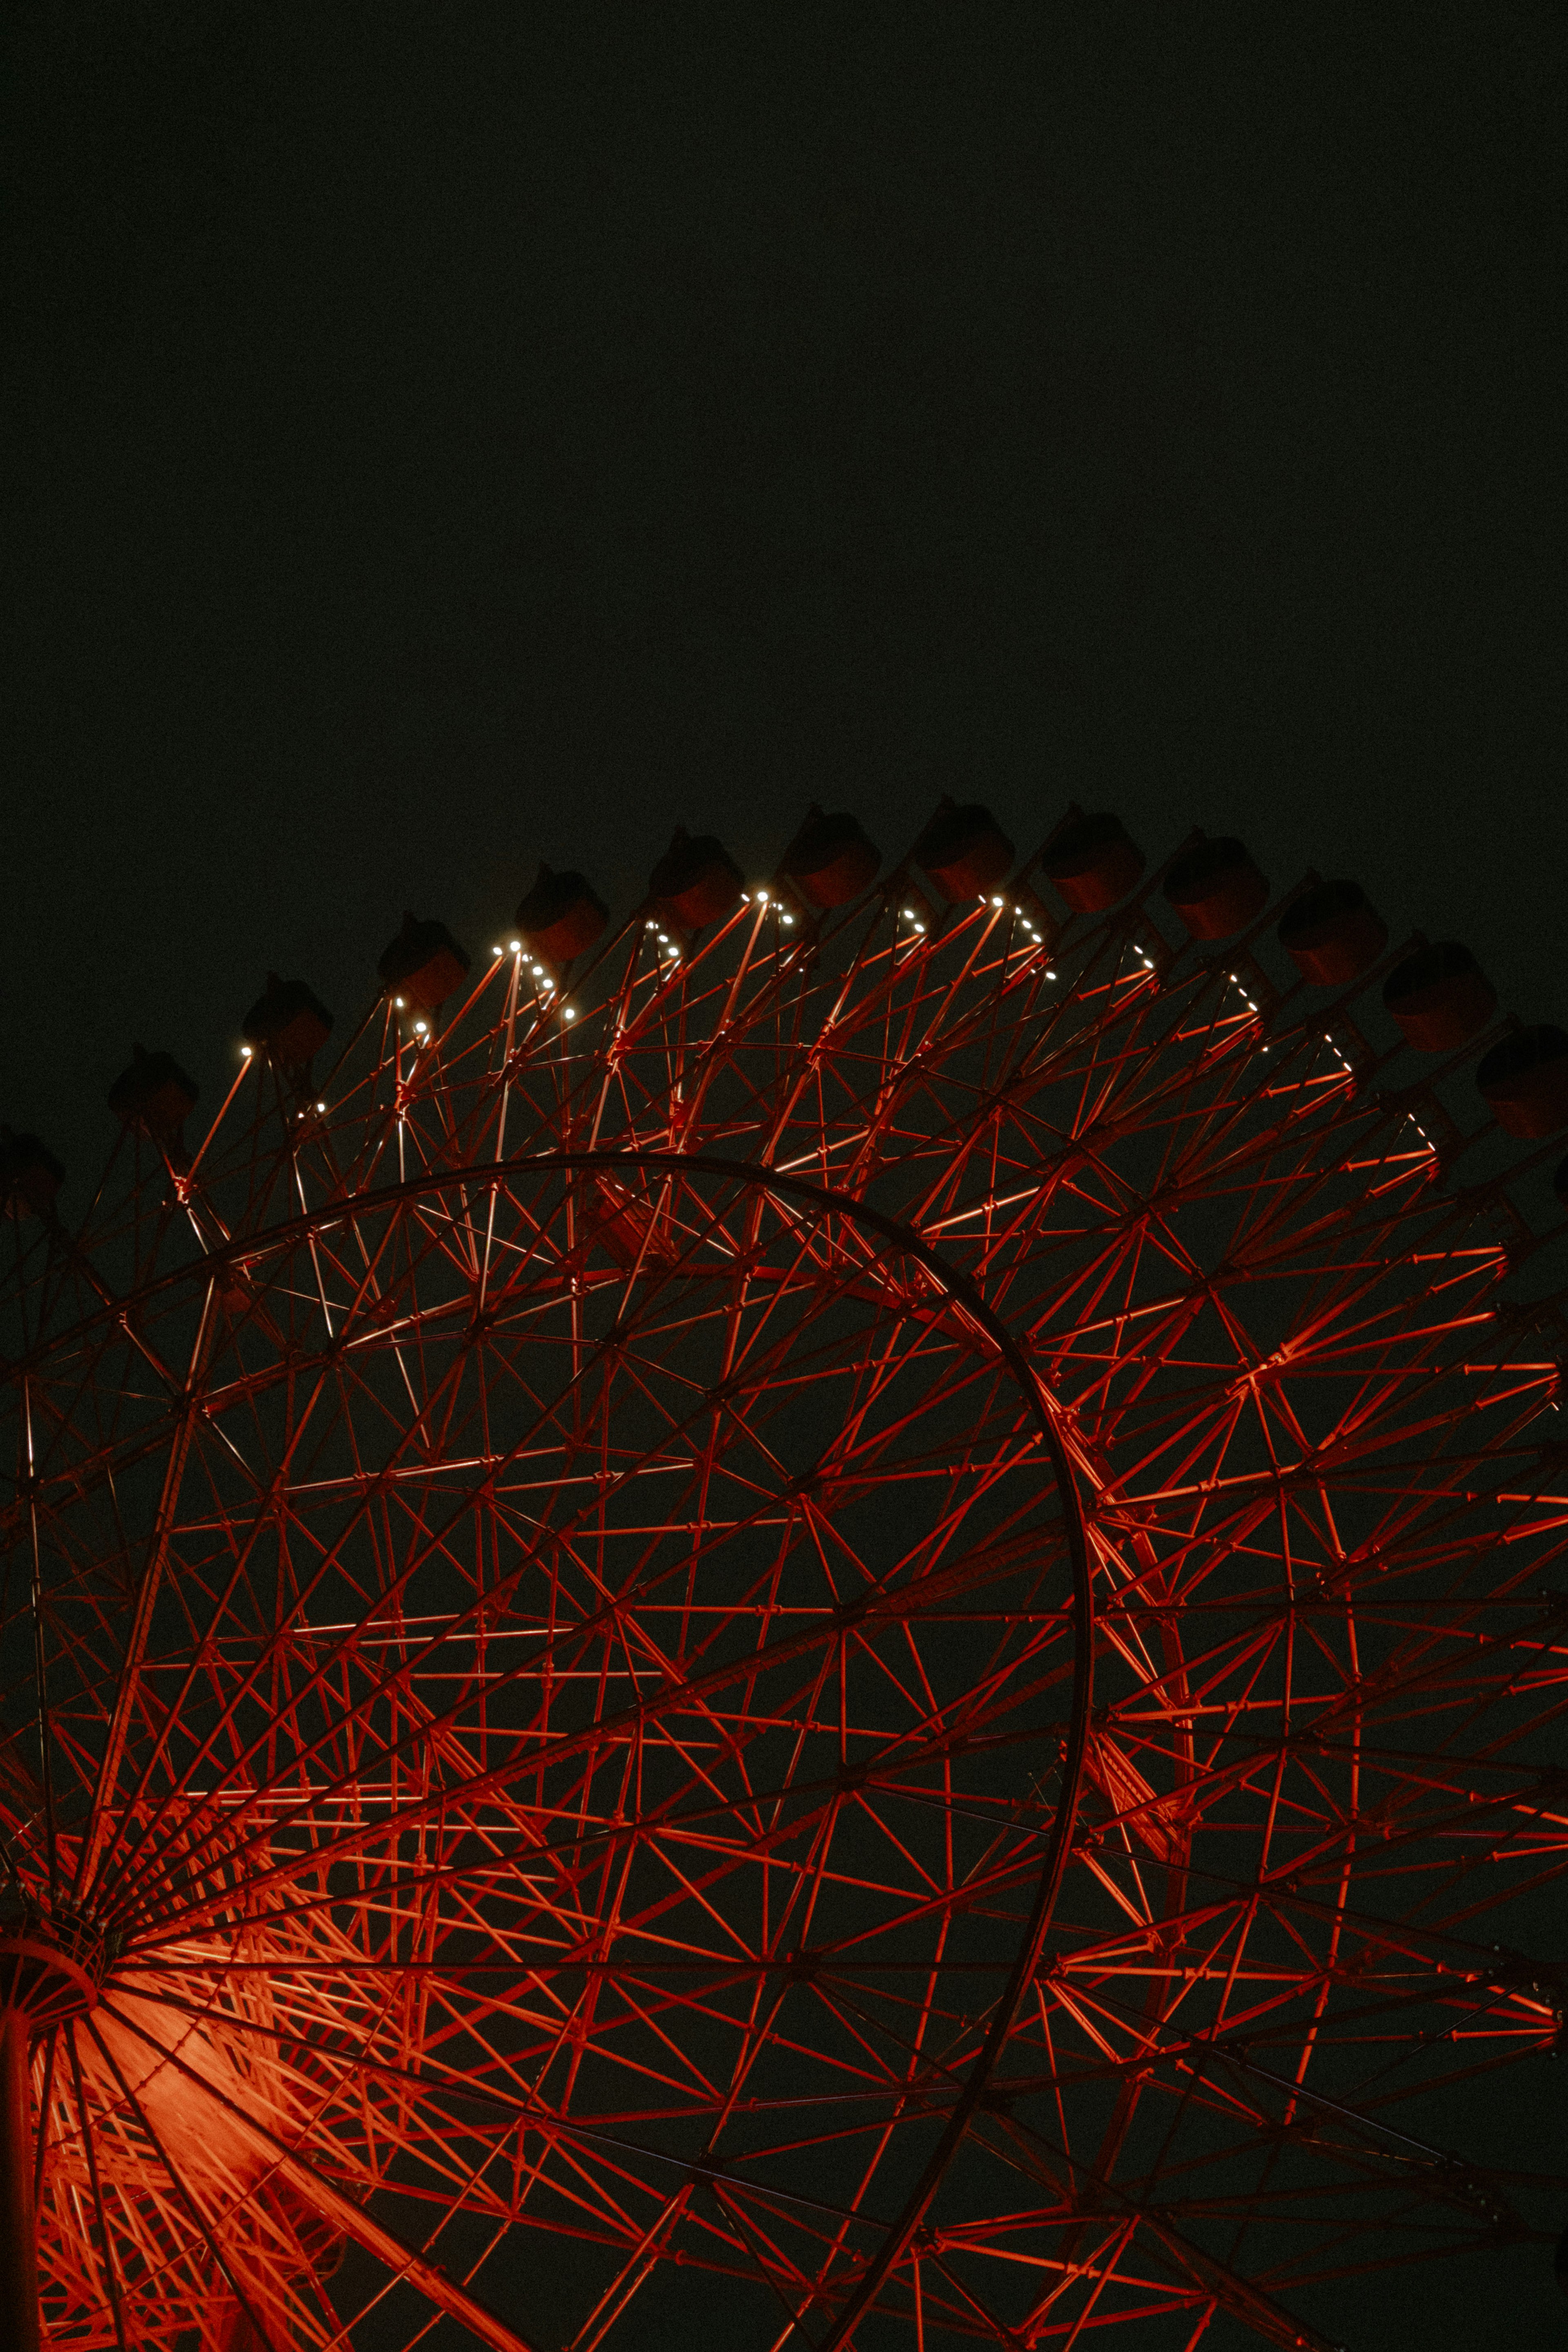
(839, 1608)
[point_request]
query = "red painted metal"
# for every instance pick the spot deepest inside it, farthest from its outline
(288, 1023)
(963, 850)
(696, 882)
(1441, 997)
(562, 917)
(1525, 1081)
(829, 861)
(1216, 888)
(153, 1093)
(19, 2259)
(1090, 862)
(1331, 934)
(856, 1624)
(424, 965)
(30, 1175)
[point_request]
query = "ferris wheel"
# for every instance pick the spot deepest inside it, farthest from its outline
(836, 1612)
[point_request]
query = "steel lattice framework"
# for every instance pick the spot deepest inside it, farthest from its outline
(853, 1622)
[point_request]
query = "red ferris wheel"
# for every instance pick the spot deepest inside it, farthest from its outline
(836, 1609)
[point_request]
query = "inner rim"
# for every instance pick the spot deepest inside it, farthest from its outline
(52, 1966)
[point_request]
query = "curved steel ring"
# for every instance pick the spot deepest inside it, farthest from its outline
(966, 1296)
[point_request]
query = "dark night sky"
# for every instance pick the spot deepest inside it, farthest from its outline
(438, 436)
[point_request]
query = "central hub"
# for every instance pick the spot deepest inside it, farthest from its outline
(52, 1965)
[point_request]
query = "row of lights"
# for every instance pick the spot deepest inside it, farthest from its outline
(420, 1028)
(538, 971)
(760, 899)
(1030, 928)
(1252, 1008)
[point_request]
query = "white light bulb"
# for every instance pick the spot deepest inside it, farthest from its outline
(516, 946)
(419, 1028)
(245, 1053)
(321, 1106)
(398, 1002)
(570, 1014)
(495, 950)
(762, 897)
(788, 919)
(996, 902)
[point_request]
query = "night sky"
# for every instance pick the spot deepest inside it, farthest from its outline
(442, 436)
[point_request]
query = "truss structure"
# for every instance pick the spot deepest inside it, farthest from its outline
(855, 1620)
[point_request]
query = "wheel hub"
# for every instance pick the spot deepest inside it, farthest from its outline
(52, 1965)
